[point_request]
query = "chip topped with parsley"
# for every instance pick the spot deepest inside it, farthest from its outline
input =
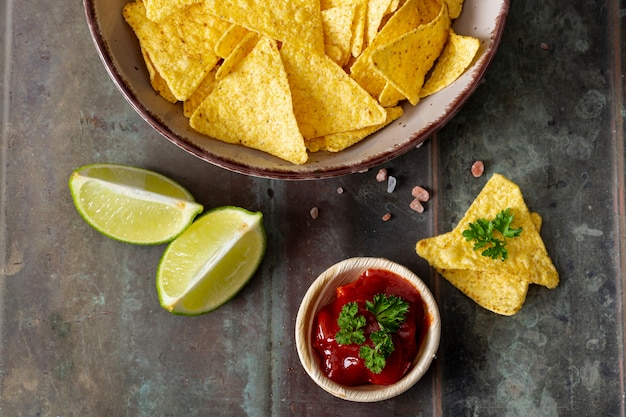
(491, 267)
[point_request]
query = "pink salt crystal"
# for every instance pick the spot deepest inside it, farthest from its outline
(381, 175)
(478, 168)
(314, 212)
(420, 193)
(417, 205)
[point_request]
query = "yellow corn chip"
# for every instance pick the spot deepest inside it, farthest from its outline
(325, 99)
(229, 40)
(393, 6)
(390, 96)
(337, 28)
(241, 50)
(376, 10)
(181, 47)
(405, 61)
(501, 293)
(358, 28)
(407, 18)
(252, 106)
(456, 56)
(295, 22)
(206, 86)
(454, 8)
(157, 10)
(339, 141)
(158, 83)
(527, 253)
(336, 54)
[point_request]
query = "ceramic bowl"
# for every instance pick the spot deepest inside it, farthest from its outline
(322, 293)
(119, 50)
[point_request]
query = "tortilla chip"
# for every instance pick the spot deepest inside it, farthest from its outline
(337, 28)
(407, 18)
(295, 22)
(376, 10)
(454, 8)
(405, 61)
(456, 56)
(339, 141)
(157, 10)
(158, 83)
(501, 293)
(527, 258)
(390, 96)
(181, 46)
(229, 40)
(241, 50)
(325, 99)
(238, 111)
(204, 89)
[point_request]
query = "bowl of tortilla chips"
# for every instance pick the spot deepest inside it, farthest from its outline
(296, 90)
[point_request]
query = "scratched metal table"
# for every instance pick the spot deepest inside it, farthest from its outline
(82, 333)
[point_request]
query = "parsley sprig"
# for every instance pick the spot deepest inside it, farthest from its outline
(482, 231)
(390, 312)
(351, 325)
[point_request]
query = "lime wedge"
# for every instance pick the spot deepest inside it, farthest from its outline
(211, 261)
(132, 204)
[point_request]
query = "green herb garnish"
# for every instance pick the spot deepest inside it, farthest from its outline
(351, 325)
(389, 311)
(482, 231)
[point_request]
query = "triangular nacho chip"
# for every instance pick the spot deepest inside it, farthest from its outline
(181, 47)
(501, 293)
(339, 141)
(455, 7)
(337, 27)
(242, 49)
(158, 83)
(376, 10)
(407, 18)
(456, 56)
(295, 22)
(157, 10)
(405, 61)
(229, 40)
(237, 111)
(325, 99)
(204, 89)
(527, 253)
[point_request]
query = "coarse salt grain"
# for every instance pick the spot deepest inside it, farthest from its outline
(416, 205)
(478, 168)
(314, 212)
(420, 193)
(381, 175)
(391, 184)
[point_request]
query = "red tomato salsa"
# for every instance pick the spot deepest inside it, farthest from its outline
(342, 362)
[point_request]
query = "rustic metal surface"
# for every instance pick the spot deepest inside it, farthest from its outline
(81, 331)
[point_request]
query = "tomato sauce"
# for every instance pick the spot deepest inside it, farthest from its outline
(342, 363)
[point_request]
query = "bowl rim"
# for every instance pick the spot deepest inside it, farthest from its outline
(414, 139)
(339, 274)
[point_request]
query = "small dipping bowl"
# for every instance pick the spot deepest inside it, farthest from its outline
(322, 293)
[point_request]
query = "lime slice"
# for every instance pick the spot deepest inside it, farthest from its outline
(132, 204)
(211, 261)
